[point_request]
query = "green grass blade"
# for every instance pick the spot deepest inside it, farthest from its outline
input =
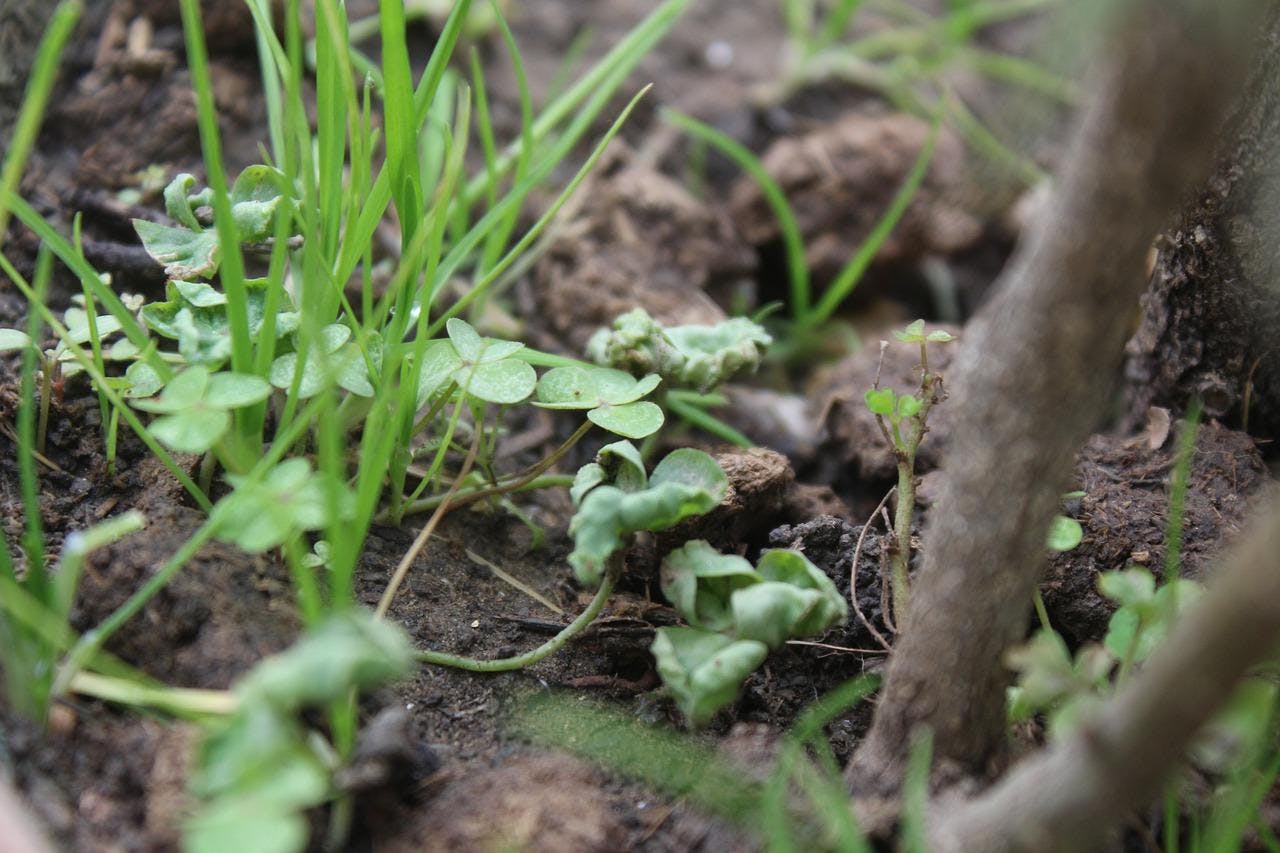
(792, 241)
(44, 72)
(231, 270)
(401, 128)
(853, 271)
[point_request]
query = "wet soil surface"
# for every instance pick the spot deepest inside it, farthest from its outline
(440, 770)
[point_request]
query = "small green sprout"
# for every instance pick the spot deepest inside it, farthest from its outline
(1145, 612)
(734, 612)
(197, 406)
(195, 315)
(704, 670)
(339, 358)
(700, 582)
(687, 482)
(190, 250)
(619, 463)
(483, 366)
(290, 499)
(1067, 689)
(903, 420)
(694, 356)
(612, 398)
(259, 771)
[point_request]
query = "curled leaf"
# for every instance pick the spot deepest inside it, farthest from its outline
(704, 670)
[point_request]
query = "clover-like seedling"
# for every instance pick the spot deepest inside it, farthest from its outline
(339, 360)
(196, 407)
(915, 333)
(195, 315)
(700, 357)
(1145, 612)
(726, 601)
(612, 398)
(700, 582)
(618, 463)
(290, 499)
(1052, 682)
(190, 250)
(704, 670)
(257, 772)
(483, 367)
(687, 482)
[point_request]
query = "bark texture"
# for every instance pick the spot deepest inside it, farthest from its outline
(1209, 319)
(1069, 796)
(1033, 378)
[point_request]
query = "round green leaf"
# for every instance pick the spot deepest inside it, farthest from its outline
(624, 465)
(1064, 533)
(143, 380)
(632, 420)
(235, 390)
(466, 340)
(908, 405)
(698, 580)
(912, 334)
(183, 392)
(567, 388)
(704, 670)
(192, 430)
(439, 362)
(504, 382)
(769, 612)
(692, 468)
(879, 401)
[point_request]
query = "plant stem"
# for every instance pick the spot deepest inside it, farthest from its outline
(174, 699)
(533, 656)
(531, 479)
(545, 481)
(900, 556)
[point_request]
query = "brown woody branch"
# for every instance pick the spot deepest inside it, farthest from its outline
(1035, 376)
(1071, 794)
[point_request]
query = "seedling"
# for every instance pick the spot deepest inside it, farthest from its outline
(693, 361)
(903, 421)
(259, 770)
(484, 366)
(695, 357)
(264, 514)
(190, 251)
(687, 482)
(197, 406)
(612, 398)
(736, 615)
(1066, 688)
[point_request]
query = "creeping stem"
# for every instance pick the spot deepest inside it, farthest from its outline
(577, 626)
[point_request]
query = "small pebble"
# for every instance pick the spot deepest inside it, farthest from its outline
(719, 54)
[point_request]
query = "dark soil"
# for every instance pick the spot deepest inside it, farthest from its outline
(437, 768)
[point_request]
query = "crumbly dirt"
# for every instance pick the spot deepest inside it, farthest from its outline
(435, 767)
(840, 177)
(1124, 513)
(641, 240)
